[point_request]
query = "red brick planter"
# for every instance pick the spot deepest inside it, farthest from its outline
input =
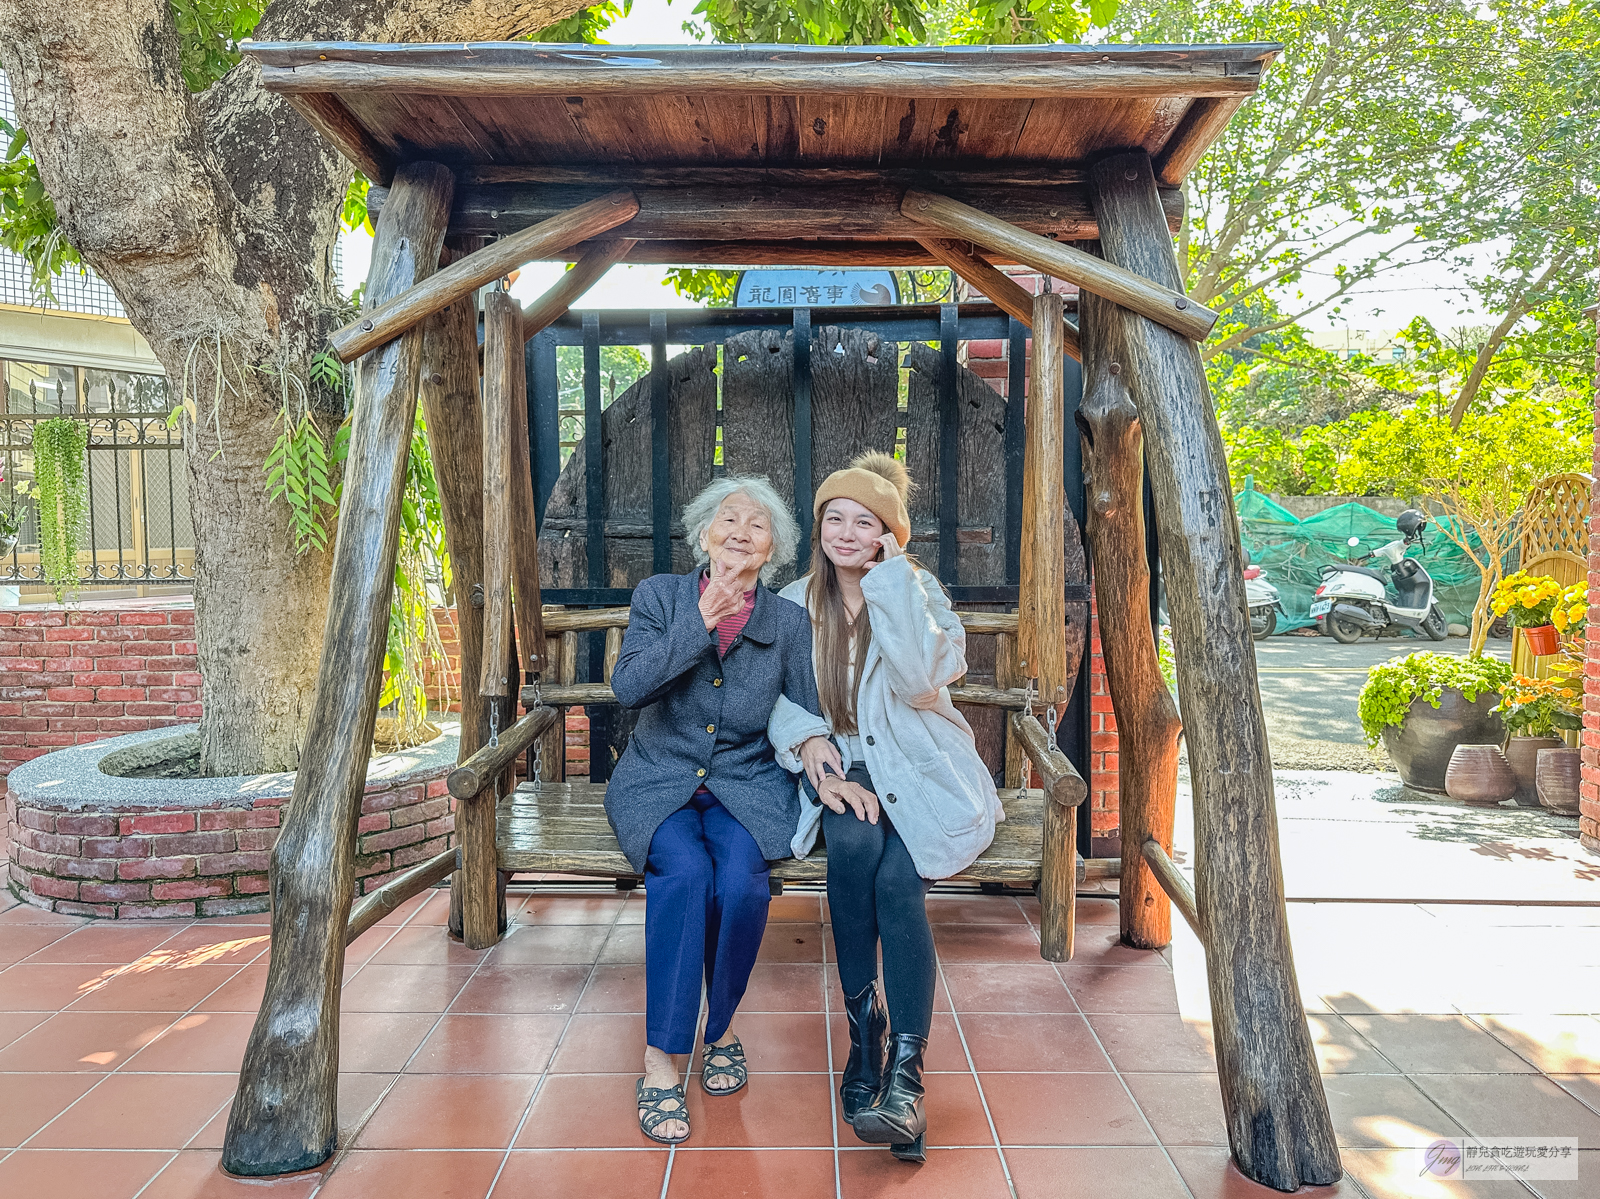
(91, 844)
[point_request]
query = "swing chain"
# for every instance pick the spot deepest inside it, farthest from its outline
(494, 724)
(1027, 698)
(536, 767)
(1050, 723)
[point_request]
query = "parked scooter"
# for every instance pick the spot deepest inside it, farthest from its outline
(1262, 597)
(1353, 601)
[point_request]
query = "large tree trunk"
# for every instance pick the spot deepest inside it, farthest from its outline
(213, 217)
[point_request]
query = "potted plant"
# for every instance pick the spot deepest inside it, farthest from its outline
(10, 530)
(1530, 601)
(1424, 705)
(1533, 709)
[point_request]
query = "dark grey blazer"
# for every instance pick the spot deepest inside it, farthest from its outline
(704, 718)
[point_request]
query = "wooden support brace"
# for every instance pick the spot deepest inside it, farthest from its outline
(585, 273)
(1276, 1112)
(284, 1115)
(1166, 305)
(1171, 881)
(503, 380)
(482, 768)
(409, 308)
(375, 905)
(1147, 719)
(1008, 295)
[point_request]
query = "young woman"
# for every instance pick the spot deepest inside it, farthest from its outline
(892, 778)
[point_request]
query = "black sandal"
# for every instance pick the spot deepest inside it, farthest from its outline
(733, 1052)
(651, 1099)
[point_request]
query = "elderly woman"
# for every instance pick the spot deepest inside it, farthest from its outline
(698, 801)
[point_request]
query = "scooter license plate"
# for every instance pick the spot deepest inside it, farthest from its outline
(1321, 608)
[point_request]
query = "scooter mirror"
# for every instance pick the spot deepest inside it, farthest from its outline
(1354, 541)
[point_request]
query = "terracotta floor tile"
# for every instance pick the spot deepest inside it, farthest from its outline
(197, 1174)
(16, 1024)
(804, 907)
(1184, 1109)
(793, 941)
(1378, 1111)
(782, 987)
(834, 994)
(358, 1095)
(1002, 1041)
(363, 1174)
(381, 1042)
(586, 1111)
(1014, 987)
(752, 1174)
(489, 1044)
(1509, 1105)
(242, 992)
(1342, 1050)
(594, 1173)
(26, 913)
(404, 913)
(601, 1044)
(1210, 1173)
(974, 909)
(425, 945)
(877, 1174)
(1094, 1173)
(1555, 1044)
(27, 987)
(789, 1110)
(434, 909)
(139, 1111)
(794, 1042)
(986, 943)
(19, 941)
(1153, 1043)
(1121, 989)
(1437, 1044)
(614, 989)
(1063, 1109)
(1100, 945)
(624, 945)
(199, 1043)
(1393, 1174)
(548, 944)
(944, 1043)
(955, 1113)
(223, 945)
(546, 908)
(522, 989)
(449, 1111)
(632, 910)
(29, 1101)
(93, 1042)
(379, 988)
(52, 1174)
(160, 988)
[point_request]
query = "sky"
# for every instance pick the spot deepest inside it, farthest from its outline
(1387, 303)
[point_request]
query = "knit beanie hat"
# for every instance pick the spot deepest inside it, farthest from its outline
(880, 484)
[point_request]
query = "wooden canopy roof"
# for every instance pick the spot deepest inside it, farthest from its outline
(736, 150)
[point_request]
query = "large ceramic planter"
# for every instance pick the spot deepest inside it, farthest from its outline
(1421, 746)
(1558, 774)
(1479, 774)
(1523, 753)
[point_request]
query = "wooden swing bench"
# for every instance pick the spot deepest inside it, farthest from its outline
(487, 157)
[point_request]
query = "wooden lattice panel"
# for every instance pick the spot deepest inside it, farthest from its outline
(1556, 516)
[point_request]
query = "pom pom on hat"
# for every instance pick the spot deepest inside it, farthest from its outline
(878, 482)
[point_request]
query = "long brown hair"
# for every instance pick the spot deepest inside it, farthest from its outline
(830, 645)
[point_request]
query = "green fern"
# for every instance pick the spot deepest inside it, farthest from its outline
(299, 473)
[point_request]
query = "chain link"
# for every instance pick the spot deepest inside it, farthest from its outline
(494, 724)
(1050, 723)
(1027, 699)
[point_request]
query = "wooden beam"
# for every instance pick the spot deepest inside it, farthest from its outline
(994, 285)
(582, 694)
(284, 1116)
(1170, 880)
(503, 380)
(1202, 124)
(1042, 609)
(1058, 883)
(409, 308)
(585, 273)
(329, 115)
(1147, 719)
(1058, 778)
(375, 905)
(1275, 1108)
(481, 770)
(1166, 305)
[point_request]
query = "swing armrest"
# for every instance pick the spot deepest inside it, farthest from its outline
(1058, 777)
(483, 767)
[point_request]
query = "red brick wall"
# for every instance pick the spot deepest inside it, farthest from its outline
(70, 675)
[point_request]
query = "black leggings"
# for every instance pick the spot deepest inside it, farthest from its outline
(875, 893)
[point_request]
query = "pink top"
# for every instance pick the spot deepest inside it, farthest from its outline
(729, 629)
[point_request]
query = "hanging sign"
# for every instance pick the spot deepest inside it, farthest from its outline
(816, 289)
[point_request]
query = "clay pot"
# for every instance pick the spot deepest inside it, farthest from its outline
(1542, 639)
(1522, 753)
(1421, 746)
(1479, 774)
(1557, 775)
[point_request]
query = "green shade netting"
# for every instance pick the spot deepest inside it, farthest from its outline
(1291, 552)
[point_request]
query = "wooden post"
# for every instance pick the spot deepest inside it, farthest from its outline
(1277, 1113)
(284, 1116)
(502, 371)
(1147, 719)
(553, 744)
(1042, 608)
(565, 292)
(528, 608)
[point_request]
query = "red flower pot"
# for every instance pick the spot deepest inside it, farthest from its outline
(1542, 640)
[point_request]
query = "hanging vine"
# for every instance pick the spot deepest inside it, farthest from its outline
(60, 453)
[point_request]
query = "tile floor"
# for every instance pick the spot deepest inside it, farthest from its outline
(511, 1072)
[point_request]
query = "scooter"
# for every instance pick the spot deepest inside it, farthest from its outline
(1264, 603)
(1353, 601)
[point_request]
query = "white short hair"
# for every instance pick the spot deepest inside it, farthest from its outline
(699, 512)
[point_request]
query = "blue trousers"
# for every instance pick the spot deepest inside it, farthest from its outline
(706, 897)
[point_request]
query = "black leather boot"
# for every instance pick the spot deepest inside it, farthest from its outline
(895, 1116)
(869, 1033)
